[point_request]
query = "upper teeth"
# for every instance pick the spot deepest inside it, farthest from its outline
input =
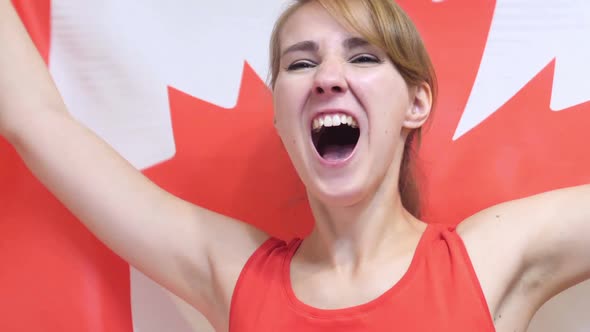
(333, 120)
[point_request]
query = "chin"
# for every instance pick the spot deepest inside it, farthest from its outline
(342, 194)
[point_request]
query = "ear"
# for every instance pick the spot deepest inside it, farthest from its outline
(420, 106)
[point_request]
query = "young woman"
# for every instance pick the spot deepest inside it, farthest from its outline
(352, 86)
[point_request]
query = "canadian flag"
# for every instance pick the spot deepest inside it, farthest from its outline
(178, 89)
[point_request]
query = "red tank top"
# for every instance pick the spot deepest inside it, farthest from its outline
(439, 292)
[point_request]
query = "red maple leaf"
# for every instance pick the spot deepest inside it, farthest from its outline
(522, 149)
(233, 162)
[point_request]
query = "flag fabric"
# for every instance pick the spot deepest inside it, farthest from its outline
(178, 88)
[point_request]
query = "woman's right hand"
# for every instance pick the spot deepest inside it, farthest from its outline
(178, 244)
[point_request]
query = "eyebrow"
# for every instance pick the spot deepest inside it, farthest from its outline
(311, 46)
(304, 46)
(354, 42)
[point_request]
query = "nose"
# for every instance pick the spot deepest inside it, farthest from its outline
(330, 79)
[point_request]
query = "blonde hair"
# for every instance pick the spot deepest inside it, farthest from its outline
(393, 31)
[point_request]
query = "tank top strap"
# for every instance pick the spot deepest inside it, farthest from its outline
(462, 267)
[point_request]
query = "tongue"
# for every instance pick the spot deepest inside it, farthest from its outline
(337, 152)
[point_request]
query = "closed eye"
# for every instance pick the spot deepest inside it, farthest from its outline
(303, 64)
(365, 58)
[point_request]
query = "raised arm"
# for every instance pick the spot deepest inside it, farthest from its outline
(556, 225)
(176, 243)
(542, 241)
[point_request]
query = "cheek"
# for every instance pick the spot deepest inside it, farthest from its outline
(386, 101)
(281, 124)
(280, 100)
(384, 85)
(284, 123)
(288, 100)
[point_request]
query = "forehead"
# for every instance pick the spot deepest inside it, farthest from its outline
(313, 22)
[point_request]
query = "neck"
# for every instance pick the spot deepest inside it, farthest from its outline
(346, 237)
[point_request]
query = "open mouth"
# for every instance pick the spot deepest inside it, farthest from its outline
(335, 136)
